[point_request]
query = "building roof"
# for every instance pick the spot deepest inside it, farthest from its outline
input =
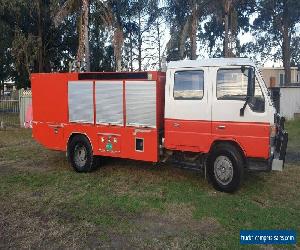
(277, 68)
(214, 62)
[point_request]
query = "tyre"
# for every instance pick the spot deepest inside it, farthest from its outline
(226, 167)
(80, 154)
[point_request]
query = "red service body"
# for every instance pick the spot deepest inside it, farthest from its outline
(52, 126)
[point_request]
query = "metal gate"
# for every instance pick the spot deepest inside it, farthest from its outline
(13, 110)
(9, 113)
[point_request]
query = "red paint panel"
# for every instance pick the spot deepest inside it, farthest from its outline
(193, 136)
(254, 138)
(198, 136)
(50, 96)
(125, 147)
(114, 140)
(150, 137)
(49, 135)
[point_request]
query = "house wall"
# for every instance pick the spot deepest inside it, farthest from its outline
(268, 73)
(289, 101)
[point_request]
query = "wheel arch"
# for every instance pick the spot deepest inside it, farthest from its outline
(74, 134)
(232, 143)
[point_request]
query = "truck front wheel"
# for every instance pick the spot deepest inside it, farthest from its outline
(80, 154)
(225, 167)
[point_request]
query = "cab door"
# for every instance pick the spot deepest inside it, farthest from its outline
(188, 109)
(249, 130)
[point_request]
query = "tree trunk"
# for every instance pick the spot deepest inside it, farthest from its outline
(140, 42)
(227, 4)
(118, 44)
(286, 42)
(130, 47)
(193, 32)
(40, 37)
(83, 52)
(85, 26)
(159, 45)
(131, 51)
(183, 37)
(80, 50)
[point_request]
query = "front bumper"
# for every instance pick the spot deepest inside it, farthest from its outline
(277, 152)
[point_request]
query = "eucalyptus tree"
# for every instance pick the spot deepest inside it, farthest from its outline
(139, 19)
(226, 19)
(275, 27)
(183, 17)
(81, 7)
(113, 16)
(31, 42)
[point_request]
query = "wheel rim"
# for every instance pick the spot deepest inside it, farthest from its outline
(223, 170)
(80, 155)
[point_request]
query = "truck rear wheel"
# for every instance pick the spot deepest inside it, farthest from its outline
(80, 154)
(226, 167)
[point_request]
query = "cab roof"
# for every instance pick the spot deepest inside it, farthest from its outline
(212, 62)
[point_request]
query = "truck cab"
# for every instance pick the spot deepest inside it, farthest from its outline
(221, 108)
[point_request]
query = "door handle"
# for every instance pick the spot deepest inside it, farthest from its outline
(175, 124)
(221, 127)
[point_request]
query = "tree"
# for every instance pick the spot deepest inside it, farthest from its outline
(184, 17)
(101, 48)
(81, 7)
(6, 60)
(31, 40)
(275, 27)
(295, 51)
(226, 19)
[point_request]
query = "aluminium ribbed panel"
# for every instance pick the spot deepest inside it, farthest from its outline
(141, 103)
(109, 102)
(80, 101)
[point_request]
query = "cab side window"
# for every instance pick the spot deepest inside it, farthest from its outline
(231, 84)
(189, 85)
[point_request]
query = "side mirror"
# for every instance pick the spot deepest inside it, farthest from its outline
(250, 88)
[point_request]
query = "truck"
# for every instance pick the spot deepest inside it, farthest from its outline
(214, 115)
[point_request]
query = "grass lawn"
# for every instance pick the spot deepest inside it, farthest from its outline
(127, 204)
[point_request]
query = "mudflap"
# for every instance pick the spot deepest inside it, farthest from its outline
(280, 151)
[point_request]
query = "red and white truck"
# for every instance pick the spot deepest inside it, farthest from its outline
(214, 114)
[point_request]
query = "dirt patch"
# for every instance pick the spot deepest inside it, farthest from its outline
(170, 226)
(22, 227)
(260, 201)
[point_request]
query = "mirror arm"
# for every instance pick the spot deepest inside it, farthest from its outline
(242, 110)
